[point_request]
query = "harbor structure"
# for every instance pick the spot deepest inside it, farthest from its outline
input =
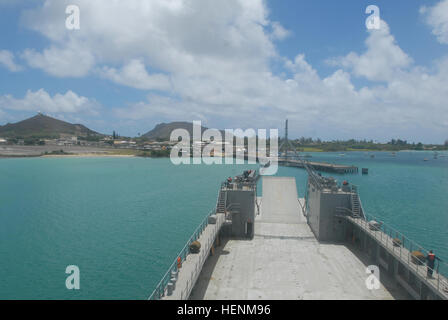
(279, 246)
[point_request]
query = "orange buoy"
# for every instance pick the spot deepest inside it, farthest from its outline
(179, 263)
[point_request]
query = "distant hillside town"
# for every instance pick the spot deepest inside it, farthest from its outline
(42, 130)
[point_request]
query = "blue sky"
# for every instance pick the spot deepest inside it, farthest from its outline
(231, 64)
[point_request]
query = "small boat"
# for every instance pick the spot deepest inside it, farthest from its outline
(372, 156)
(342, 154)
(426, 159)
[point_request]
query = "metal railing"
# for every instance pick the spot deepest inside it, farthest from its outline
(161, 287)
(403, 248)
(198, 267)
(240, 182)
(354, 189)
(302, 207)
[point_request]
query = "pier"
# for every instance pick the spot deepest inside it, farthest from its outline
(286, 148)
(319, 166)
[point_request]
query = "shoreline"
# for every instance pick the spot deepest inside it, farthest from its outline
(135, 155)
(87, 155)
(13, 151)
(68, 156)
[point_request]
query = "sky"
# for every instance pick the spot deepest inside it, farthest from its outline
(231, 64)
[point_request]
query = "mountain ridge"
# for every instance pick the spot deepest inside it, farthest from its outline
(44, 126)
(162, 131)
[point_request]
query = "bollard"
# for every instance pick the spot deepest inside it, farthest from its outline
(174, 275)
(173, 281)
(170, 289)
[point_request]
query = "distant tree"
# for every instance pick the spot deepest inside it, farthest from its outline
(160, 153)
(30, 141)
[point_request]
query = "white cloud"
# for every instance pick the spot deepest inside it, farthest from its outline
(70, 61)
(279, 32)
(42, 101)
(214, 60)
(7, 60)
(187, 36)
(437, 18)
(135, 75)
(382, 60)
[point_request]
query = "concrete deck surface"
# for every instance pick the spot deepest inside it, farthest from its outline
(284, 261)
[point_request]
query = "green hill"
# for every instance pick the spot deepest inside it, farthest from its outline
(44, 127)
(163, 131)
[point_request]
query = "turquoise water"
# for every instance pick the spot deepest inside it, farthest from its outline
(406, 192)
(123, 220)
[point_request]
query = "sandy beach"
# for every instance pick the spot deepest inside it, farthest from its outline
(88, 155)
(13, 151)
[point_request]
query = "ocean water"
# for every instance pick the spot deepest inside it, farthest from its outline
(404, 191)
(122, 221)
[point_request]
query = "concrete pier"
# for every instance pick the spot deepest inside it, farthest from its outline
(319, 166)
(284, 261)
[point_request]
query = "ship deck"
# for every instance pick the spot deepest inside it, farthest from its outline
(284, 261)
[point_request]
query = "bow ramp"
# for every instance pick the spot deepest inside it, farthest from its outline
(284, 261)
(280, 201)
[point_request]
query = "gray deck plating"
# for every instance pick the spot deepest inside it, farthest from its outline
(284, 261)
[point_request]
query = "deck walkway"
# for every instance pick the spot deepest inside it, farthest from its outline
(439, 283)
(284, 261)
(192, 265)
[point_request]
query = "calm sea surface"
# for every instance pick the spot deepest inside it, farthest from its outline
(122, 221)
